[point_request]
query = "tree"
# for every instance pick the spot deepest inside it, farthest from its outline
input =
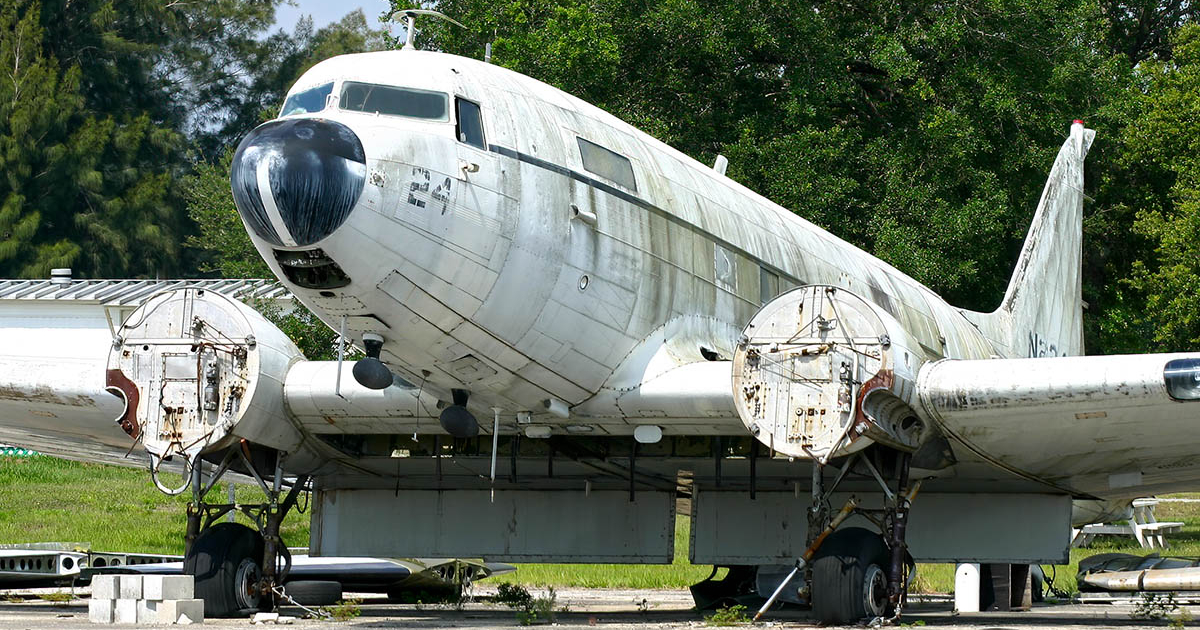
(99, 101)
(82, 187)
(1159, 184)
(268, 69)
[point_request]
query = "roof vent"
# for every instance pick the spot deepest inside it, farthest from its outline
(60, 276)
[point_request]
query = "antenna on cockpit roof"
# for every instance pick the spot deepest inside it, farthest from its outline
(411, 16)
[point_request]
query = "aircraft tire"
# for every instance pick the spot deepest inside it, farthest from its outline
(226, 561)
(314, 592)
(849, 577)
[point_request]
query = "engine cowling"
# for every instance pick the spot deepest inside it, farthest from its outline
(198, 370)
(820, 372)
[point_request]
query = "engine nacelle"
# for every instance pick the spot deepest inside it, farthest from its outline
(197, 370)
(820, 372)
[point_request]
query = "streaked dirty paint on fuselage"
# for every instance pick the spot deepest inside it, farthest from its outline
(485, 281)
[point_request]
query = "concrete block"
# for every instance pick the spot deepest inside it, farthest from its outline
(105, 586)
(125, 611)
(100, 610)
(966, 587)
(163, 587)
(131, 587)
(147, 611)
(170, 610)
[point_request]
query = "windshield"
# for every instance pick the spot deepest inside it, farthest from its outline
(393, 101)
(310, 100)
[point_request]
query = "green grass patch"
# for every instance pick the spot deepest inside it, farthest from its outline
(45, 499)
(678, 574)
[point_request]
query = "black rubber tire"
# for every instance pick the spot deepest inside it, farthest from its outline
(221, 557)
(314, 592)
(840, 570)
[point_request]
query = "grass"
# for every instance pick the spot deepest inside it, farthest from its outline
(43, 499)
(679, 574)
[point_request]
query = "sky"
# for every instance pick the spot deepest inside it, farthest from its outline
(324, 11)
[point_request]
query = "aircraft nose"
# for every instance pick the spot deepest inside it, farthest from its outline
(295, 181)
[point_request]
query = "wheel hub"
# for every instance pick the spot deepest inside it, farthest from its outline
(246, 584)
(875, 595)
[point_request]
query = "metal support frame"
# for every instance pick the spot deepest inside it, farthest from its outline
(892, 522)
(267, 516)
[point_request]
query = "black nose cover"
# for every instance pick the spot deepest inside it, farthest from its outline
(315, 169)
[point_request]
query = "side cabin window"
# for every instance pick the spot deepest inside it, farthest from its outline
(768, 285)
(607, 164)
(393, 101)
(469, 125)
(307, 101)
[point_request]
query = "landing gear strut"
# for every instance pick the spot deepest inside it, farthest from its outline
(854, 573)
(237, 569)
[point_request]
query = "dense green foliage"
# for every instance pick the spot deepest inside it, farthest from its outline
(45, 499)
(921, 131)
(101, 103)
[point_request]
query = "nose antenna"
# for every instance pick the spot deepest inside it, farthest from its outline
(411, 16)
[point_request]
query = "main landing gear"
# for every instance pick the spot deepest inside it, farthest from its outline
(239, 570)
(855, 573)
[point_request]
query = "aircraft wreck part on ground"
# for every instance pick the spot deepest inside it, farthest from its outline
(1129, 572)
(822, 372)
(197, 368)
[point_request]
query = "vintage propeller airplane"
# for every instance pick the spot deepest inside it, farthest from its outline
(626, 321)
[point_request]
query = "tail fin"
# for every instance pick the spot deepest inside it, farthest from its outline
(1042, 311)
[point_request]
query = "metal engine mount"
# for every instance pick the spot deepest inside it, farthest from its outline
(820, 372)
(196, 370)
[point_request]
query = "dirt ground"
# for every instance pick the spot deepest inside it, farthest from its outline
(586, 608)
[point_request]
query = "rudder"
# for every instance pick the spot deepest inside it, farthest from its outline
(1042, 310)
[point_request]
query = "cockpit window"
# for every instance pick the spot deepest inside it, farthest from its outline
(469, 126)
(310, 100)
(393, 101)
(607, 164)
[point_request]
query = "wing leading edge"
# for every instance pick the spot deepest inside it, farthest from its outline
(1104, 426)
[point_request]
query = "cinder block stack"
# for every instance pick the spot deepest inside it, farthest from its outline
(158, 599)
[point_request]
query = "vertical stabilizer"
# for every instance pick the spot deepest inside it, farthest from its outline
(1042, 311)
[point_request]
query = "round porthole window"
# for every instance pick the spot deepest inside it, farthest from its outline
(583, 282)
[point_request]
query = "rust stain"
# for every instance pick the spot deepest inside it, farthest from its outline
(129, 423)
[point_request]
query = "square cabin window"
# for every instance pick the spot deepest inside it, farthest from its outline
(391, 100)
(469, 124)
(607, 164)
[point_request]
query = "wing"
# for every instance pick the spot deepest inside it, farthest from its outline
(1105, 426)
(52, 390)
